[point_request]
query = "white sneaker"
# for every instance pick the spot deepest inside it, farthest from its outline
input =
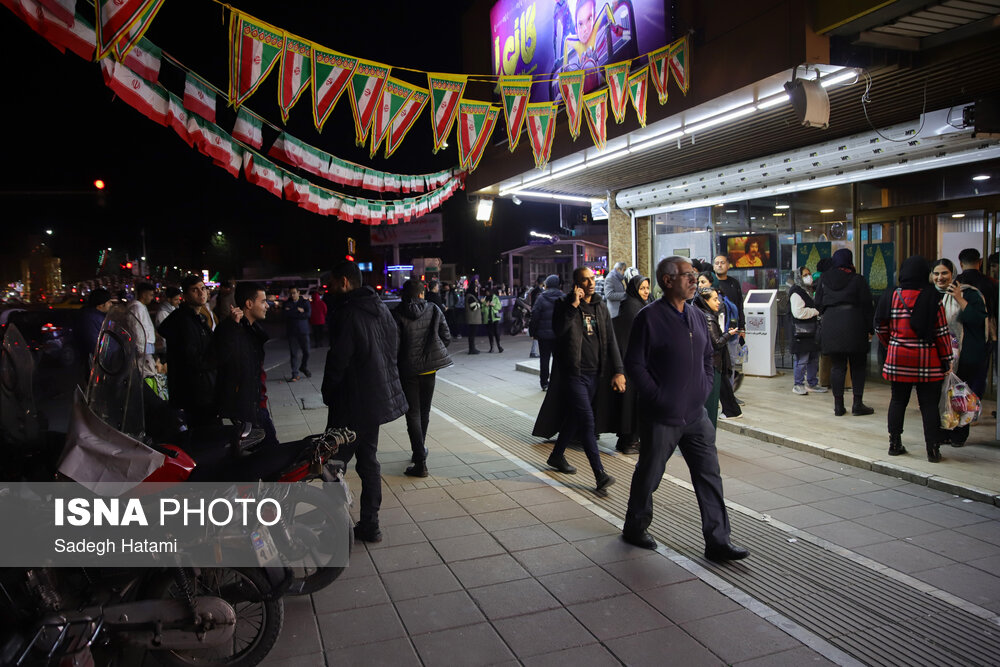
(818, 389)
(800, 389)
(725, 418)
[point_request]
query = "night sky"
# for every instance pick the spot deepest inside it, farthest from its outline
(64, 129)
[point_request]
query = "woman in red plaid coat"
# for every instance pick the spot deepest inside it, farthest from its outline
(911, 322)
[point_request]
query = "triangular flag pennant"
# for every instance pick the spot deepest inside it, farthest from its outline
(659, 72)
(680, 64)
(571, 89)
(394, 96)
(638, 87)
(515, 91)
(114, 18)
(248, 129)
(254, 49)
(446, 92)
(596, 104)
(143, 59)
(138, 28)
(404, 120)
(330, 73)
(541, 130)
(295, 73)
(617, 77)
(475, 125)
(365, 92)
(199, 98)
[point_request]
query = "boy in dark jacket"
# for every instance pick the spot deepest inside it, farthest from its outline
(540, 326)
(190, 363)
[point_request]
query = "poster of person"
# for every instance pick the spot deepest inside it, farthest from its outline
(754, 251)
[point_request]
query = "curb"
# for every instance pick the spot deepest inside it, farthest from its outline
(858, 461)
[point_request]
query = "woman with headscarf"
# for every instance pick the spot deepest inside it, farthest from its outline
(845, 302)
(708, 302)
(911, 323)
(636, 297)
(965, 310)
(805, 346)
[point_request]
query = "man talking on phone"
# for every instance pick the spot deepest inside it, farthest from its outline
(588, 367)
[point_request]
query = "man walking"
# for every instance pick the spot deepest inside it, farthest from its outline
(540, 327)
(614, 289)
(669, 359)
(296, 311)
(588, 367)
(361, 384)
(144, 293)
(190, 368)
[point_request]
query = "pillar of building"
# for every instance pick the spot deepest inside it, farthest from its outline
(619, 234)
(644, 260)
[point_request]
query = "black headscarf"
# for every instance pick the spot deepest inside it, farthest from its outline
(843, 259)
(632, 289)
(914, 275)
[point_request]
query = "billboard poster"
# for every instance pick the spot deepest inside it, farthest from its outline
(809, 254)
(425, 229)
(753, 251)
(543, 37)
(880, 266)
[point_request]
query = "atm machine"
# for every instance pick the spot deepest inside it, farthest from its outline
(760, 310)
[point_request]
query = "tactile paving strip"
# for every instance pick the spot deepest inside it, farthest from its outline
(868, 615)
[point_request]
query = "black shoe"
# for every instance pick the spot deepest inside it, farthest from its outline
(473, 351)
(838, 407)
(367, 532)
(934, 453)
(416, 470)
(545, 387)
(604, 480)
(306, 372)
(956, 443)
(491, 348)
(499, 349)
(562, 465)
(896, 445)
(643, 540)
(628, 449)
(860, 410)
(413, 459)
(723, 552)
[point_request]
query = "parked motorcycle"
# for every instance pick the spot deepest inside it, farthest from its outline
(520, 315)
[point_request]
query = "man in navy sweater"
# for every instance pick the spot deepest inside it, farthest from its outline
(670, 360)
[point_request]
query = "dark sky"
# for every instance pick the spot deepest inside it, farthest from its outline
(63, 130)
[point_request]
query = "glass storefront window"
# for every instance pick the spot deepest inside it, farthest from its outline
(968, 180)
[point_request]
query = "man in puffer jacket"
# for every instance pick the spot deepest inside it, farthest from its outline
(540, 327)
(361, 382)
(423, 337)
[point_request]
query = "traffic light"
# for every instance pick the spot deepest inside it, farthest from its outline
(349, 258)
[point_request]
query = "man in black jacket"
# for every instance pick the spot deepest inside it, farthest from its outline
(588, 365)
(540, 326)
(190, 364)
(361, 384)
(296, 311)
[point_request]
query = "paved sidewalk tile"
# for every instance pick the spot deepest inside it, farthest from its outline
(437, 529)
(467, 547)
(592, 655)
(405, 557)
(658, 647)
(739, 635)
(360, 626)
(551, 559)
(420, 582)
(472, 645)
(528, 537)
(389, 653)
(688, 601)
(543, 632)
(515, 518)
(489, 570)
(653, 571)
(350, 593)
(795, 657)
(584, 585)
(438, 612)
(513, 598)
(620, 616)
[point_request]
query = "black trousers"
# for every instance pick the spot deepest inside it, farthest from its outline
(365, 448)
(317, 334)
(470, 332)
(544, 361)
(493, 333)
(419, 390)
(697, 444)
(578, 422)
(727, 397)
(928, 395)
(838, 372)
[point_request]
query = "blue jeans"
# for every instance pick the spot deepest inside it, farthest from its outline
(298, 348)
(579, 420)
(806, 365)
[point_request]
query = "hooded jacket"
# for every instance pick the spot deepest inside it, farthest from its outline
(540, 326)
(361, 380)
(844, 300)
(423, 337)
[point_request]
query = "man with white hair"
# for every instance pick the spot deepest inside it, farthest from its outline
(614, 289)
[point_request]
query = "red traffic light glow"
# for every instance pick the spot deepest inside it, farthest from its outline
(128, 265)
(349, 258)
(99, 184)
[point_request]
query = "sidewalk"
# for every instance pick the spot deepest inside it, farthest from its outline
(496, 559)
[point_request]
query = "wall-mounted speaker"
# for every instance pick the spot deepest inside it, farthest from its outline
(810, 101)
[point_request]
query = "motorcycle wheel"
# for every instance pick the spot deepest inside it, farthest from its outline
(516, 326)
(311, 518)
(258, 623)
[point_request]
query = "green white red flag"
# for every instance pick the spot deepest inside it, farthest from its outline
(344, 172)
(254, 49)
(571, 89)
(446, 93)
(296, 188)
(596, 105)
(248, 128)
(660, 73)
(199, 98)
(150, 100)
(330, 73)
(115, 17)
(404, 120)
(143, 59)
(680, 64)
(64, 10)
(476, 121)
(77, 35)
(295, 73)
(541, 130)
(296, 153)
(515, 92)
(127, 42)
(638, 89)
(373, 180)
(260, 171)
(365, 93)
(394, 96)
(177, 117)
(617, 78)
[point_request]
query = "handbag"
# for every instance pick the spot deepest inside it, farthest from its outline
(805, 329)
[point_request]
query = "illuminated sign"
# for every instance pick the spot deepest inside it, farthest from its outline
(400, 267)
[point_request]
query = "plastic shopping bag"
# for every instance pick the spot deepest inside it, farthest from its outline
(958, 406)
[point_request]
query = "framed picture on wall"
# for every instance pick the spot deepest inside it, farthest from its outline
(751, 251)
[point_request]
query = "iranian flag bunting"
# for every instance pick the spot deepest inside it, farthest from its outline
(476, 121)
(365, 92)
(295, 73)
(77, 34)
(617, 78)
(261, 171)
(114, 18)
(404, 120)
(446, 92)
(680, 64)
(571, 89)
(254, 49)
(596, 104)
(199, 98)
(248, 129)
(232, 159)
(64, 10)
(373, 180)
(541, 130)
(298, 154)
(296, 188)
(660, 73)
(149, 99)
(177, 118)
(144, 59)
(638, 88)
(330, 73)
(139, 27)
(394, 96)
(515, 91)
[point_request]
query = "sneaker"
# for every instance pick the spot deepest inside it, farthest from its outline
(367, 532)
(725, 418)
(739, 401)
(294, 378)
(306, 372)
(818, 389)
(800, 389)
